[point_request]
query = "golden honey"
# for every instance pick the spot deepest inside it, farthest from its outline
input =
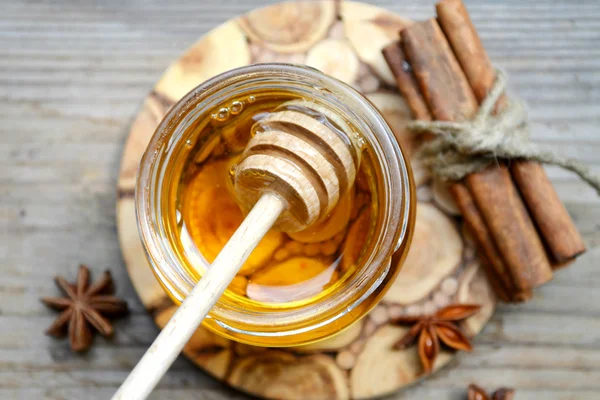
(286, 269)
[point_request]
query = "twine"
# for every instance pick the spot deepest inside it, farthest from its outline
(461, 148)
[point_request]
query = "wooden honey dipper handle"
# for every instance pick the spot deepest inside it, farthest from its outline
(293, 171)
(182, 325)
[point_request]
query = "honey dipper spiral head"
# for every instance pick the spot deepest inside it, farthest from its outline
(304, 153)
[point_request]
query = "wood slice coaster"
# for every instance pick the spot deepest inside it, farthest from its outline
(343, 40)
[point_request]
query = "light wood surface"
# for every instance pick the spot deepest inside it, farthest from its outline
(72, 78)
(439, 270)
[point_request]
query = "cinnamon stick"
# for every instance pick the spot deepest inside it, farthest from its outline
(443, 84)
(510, 226)
(450, 98)
(405, 80)
(556, 227)
(507, 296)
(499, 276)
(552, 219)
(468, 49)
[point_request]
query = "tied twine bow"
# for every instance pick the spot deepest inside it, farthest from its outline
(461, 148)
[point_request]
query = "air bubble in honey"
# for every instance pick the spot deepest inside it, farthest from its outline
(236, 107)
(222, 114)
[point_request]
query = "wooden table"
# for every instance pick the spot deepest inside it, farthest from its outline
(71, 78)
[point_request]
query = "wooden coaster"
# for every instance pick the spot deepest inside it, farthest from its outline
(343, 40)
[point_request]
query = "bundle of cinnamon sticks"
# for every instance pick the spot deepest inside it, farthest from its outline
(522, 229)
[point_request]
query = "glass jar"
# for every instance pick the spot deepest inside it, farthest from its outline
(158, 186)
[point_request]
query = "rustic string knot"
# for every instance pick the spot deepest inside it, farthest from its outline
(461, 148)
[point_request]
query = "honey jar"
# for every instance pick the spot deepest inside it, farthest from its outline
(296, 287)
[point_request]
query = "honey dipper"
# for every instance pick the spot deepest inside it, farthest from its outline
(300, 160)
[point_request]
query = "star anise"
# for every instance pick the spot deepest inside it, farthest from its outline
(84, 307)
(477, 393)
(441, 325)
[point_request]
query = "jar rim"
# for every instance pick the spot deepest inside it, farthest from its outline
(388, 156)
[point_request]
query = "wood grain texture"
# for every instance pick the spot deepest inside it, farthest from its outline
(72, 75)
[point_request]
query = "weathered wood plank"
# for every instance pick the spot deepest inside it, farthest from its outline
(451, 376)
(100, 393)
(30, 38)
(511, 325)
(88, 378)
(562, 379)
(423, 391)
(137, 330)
(427, 392)
(73, 74)
(59, 357)
(538, 356)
